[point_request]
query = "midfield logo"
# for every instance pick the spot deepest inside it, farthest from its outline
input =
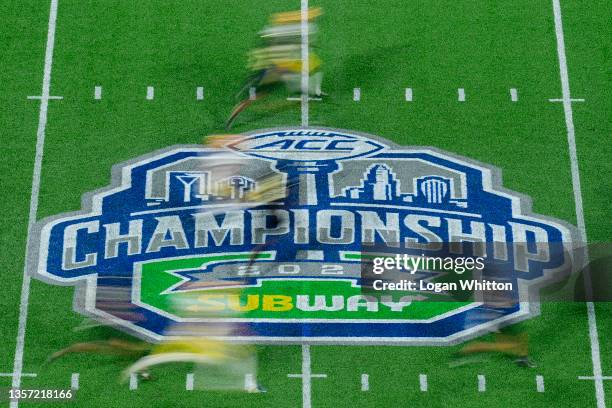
(171, 225)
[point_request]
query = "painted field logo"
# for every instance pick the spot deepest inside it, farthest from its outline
(170, 226)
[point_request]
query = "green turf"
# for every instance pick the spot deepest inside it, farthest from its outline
(382, 47)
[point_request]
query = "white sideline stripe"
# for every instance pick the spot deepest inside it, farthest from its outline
(150, 93)
(305, 65)
(461, 94)
(200, 93)
(540, 383)
(98, 93)
(133, 382)
(74, 381)
(189, 382)
(40, 143)
(423, 382)
(513, 95)
(408, 94)
(41, 97)
(594, 378)
(357, 94)
(482, 383)
(252, 93)
(23, 374)
(249, 382)
(571, 141)
(365, 382)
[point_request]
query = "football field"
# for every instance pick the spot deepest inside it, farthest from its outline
(523, 86)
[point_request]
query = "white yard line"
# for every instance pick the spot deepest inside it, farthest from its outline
(571, 140)
(306, 375)
(200, 93)
(40, 143)
(356, 94)
(97, 92)
(306, 369)
(150, 93)
(305, 61)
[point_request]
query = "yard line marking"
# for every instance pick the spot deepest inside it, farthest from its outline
(306, 377)
(563, 100)
(249, 382)
(98, 93)
(408, 94)
(482, 383)
(22, 374)
(48, 97)
(150, 93)
(540, 383)
(133, 382)
(513, 95)
(305, 62)
(200, 93)
(461, 94)
(306, 369)
(357, 94)
(365, 382)
(294, 98)
(74, 381)
(189, 382)
(252, 93)
(34, 194)
(594, 378)
(423, 382)
(571, 141)
(311, 375)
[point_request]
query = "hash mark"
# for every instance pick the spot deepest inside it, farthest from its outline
(514, 95)
(423, 382)
(540, 383)
(461, 94)
(133, 382)
(365, 382)
(74, 381)
(408, 95)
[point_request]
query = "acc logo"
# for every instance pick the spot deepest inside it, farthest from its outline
(169, 225)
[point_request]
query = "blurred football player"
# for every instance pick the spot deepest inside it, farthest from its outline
(279, 61)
